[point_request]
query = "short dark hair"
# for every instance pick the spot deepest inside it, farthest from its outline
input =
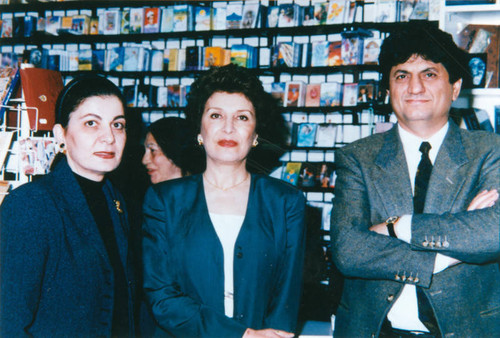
(81, 88)
(424, 39)
(270, 125)
(177, 141)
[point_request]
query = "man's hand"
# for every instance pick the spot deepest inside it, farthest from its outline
(380, 228)
(485, 199)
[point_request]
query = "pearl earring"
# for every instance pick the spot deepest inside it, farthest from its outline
(200, 140)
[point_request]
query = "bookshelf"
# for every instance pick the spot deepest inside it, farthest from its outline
(352, 122)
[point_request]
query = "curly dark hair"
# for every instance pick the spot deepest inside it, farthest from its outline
(424, 39)
(270, 128)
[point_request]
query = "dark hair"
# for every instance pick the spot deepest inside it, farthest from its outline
(424, 39)
(270, 128)
(177, 141)
(81, 88)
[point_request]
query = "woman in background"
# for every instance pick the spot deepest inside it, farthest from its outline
(223, 250)
(64, 255)
(169, 149)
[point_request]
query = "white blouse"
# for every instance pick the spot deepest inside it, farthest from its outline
(227, 228)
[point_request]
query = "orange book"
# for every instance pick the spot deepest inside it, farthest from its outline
(214, 56)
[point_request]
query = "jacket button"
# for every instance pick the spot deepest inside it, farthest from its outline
(390, 298)
(239, 255)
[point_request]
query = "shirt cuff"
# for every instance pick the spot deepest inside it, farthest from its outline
(441, 263)
(403, 228)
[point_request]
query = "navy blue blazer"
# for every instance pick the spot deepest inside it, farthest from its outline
(183, 259)
(56, 279)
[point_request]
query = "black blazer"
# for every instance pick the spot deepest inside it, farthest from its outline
(183, 259)
(56, 279)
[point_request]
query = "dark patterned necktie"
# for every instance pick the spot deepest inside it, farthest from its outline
(425, 313)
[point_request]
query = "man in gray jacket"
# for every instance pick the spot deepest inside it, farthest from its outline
(415, 221)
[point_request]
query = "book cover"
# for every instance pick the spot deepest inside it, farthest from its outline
(161, 96)
(167, 20)
(218, 16)
(326, 135)
(112, 22)
(321, 12)
(406, 9)
(350, 97)
(5, 142)
(136, 20)
(366, 90)
(319, 53)
(143, 95)
(7, 27)
(420, 11)
(125, 21)
(94, 26)
(288, 15)
(80, 24)
(371, 50)
(85, 59)
(156, 60)
(52, 25)
(73, 62)
(30, 22)
(130, 95)
(352, 50)
(214, 56)
(278, 90)
(308, 174)
(308, 18)
(202, 18)
(18, 26)
(336, 12)
(98, 59)
(184, 91)
(306, 134)
(114, 59)
(291, 173)
(131, 58)
(272, 16)
(151, 20)
(174, 93)
(9, 80)
(171, 56)
(283, 54)
(385, 11)
(193, 55)
(313, 95)
(334, 57)
(182, 18)
(295, 94)
(40, 89)
(240, 55)
(250, 14)
(234, 14)
(331, 94)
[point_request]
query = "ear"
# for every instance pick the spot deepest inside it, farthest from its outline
(456, 89)
(58, 131)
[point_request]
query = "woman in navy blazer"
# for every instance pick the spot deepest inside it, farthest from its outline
(223, 250)
(65, 268)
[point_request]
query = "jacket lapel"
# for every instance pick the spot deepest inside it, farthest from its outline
(445, 174)
(390, 176)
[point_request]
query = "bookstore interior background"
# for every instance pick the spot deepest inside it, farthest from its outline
(318, 58)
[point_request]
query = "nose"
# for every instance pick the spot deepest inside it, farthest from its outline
(415, 85)
(108, 135)
(228, 125)
(146, 157)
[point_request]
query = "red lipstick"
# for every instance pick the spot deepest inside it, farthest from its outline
(105, 154)
(227, 143)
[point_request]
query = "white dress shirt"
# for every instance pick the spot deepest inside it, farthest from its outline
(404, 312)
(227, 228)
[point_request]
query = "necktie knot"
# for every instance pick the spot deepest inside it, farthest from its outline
(425, 147)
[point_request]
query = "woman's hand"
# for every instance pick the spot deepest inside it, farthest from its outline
(267, 333)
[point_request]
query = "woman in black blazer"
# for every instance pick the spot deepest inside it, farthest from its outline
(65, 268)
(223, 250)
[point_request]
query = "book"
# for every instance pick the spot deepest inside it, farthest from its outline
(272, 16)
(241, 55)
(214, 56)
(98, 59)
(291, 173)
(151, 20)
(167, 19)
(125, 21)
(112, 22)
(202, 18)
(85, 59)
(94, 26)
(306, 134)
(161, 96)
(250, 16)
(9, 80)
(295, 94)
(234, 14)
(288, 15)
(218, 14)
(80, 24)
(136, 20)
(350, 96)
(131, 55)
(194, 54)
(371, 50)
(352, 50)
(36, 154)
(278, 90)
(331, 93)
(40, 89)
(114, 59)
(319, 53)
(313, 95)
(52, 24)
(7, 27)
(336, 12)
(156, 60)
(334, 56)
(182, 18)
(308, 18)
(308, 174)
(184, 91)
(130, 95)
(366, 90)
(326, 135)
(386, 10)
(174, 93)
(321, 12)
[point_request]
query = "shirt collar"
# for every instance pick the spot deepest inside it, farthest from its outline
(411, 142)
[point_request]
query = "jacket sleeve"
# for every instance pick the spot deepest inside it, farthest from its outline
(470, 236)
(24, 250)
(175, 311)
(359, 252)
(285, 304)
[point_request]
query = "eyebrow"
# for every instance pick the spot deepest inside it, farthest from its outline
(403, 71)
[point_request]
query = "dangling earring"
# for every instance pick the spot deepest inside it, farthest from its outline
(200, 140)
(255, 143)
(62, 148)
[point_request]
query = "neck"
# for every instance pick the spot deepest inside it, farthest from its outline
(424, 130)
(226, 177)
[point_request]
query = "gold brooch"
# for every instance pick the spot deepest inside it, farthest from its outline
(118, 206)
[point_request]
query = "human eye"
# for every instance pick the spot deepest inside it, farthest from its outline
(430, 75)
(243, 117)
(119, 125)
(401, 76)
(90, 123)
(215, 116)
